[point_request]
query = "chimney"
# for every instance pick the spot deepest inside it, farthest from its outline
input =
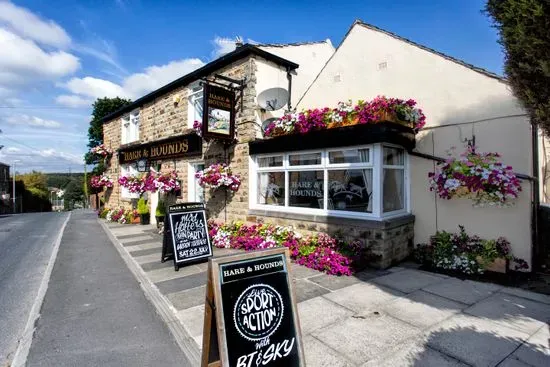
(238, 41)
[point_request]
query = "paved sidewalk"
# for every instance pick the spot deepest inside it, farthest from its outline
(94, 312)
(398, 317)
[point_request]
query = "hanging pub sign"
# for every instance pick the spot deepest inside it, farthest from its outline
(186, 234)
(250, 314)
(218, 120)
(175, 147)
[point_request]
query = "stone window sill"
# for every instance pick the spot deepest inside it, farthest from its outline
(367, 223)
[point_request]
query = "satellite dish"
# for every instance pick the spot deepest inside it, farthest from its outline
(267, 122)
(273, 99)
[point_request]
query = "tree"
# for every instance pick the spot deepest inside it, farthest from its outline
(36, 183)
(101, 108)
(73, 193)
(524, 26)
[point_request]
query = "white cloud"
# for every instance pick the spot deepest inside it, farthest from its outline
(222, 46)
(28, 25)
(32, 121)
(46, 160)
(155, 77)
(22, 61)
(134, 86)
(73, 101)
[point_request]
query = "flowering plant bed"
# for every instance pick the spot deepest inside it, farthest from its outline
(166, 182)
(120, 215)
(478, 176)
(101, 150)
(99, 182)
(462, 253)
(320, 252)
(218, 175)
(379, 109)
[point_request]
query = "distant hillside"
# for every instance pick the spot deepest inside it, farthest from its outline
(61, 180)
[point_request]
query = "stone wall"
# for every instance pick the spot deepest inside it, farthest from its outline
(162, 118)
(391, 239)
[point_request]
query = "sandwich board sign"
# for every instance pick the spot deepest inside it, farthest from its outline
(250, 315)
(186, 234)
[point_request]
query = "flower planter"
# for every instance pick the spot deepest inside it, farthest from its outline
(499, 265)
(145, 218)
(136, 220)
(160, 219)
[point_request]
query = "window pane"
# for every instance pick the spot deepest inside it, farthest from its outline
(394, 156)
(306, 189)
(271, 188)
(394, 189)
(305, 159)
(350, 190)
(197, 192)
(270, 161)
(349, 156)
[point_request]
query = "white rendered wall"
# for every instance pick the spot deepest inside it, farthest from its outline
(371, 63)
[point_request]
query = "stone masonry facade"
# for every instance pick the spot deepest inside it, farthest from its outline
(391, 240)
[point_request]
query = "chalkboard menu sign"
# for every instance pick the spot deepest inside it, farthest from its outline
(187, 234)
(255, 312)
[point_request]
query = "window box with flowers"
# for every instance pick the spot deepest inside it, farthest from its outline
(480, 177)
(381, 109)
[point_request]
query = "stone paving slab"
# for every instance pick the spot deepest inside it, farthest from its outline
(147, 258)
(333, 283)
(140, 242)
(310, 310)
(476, 341)
(414, 353)
(189, 298)
(408, 281)
(318, 354)
(193, 320)
(146, 246)
(422, 309)
(305, 290)
(464, 291)
(123, 237)
(526, 294)
(301, 272)
(363, 338)
(157, 265)
(513, 362)
(169, 273)
(536, 351)
(181, 284)
(513, 312)
(154, 250)
(363, 296)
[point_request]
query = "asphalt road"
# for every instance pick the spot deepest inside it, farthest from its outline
(26, 244)
(94, 312)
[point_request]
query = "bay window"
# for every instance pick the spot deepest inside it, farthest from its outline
(366, 181)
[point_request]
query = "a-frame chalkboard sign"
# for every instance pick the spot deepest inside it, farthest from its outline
(250, 315)
(185, 234)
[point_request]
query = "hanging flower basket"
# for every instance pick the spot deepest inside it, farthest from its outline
(481, 177)
(380, 109)
(101, 150)
(218, 175)
(100, 182)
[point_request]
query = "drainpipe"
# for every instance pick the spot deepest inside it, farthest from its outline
(535, 253)
(289, 77)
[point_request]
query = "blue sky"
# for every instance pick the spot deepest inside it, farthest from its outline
(56, 56)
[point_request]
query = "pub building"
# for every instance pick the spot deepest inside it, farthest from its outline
(369, 181)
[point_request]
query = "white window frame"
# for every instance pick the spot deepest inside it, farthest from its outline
(375, 163)
(192, 181)
(194, 93)
(130, 124)
(128, 169)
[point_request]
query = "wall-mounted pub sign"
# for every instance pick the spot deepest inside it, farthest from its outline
(218, 120)
(175, 147)
(250, 315)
